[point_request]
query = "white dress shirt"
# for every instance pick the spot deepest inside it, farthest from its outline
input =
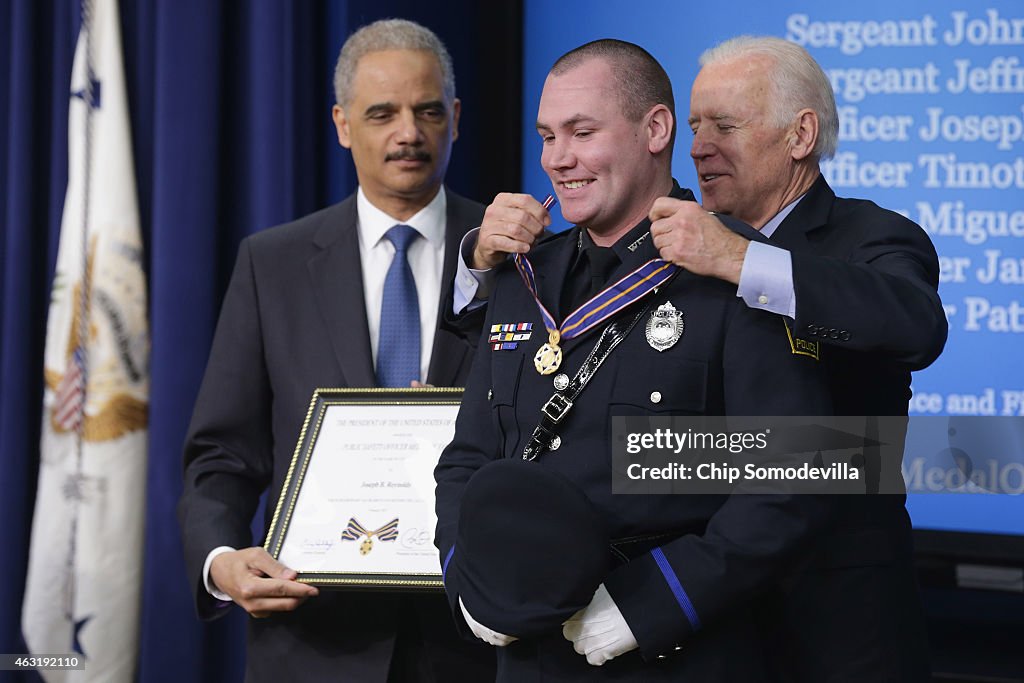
(766, 279)
(472, 287)
(426, 258)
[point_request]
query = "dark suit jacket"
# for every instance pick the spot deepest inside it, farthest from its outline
(293, 320)
(727, 552)
(865, 281)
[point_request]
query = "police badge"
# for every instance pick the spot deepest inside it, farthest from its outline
(664, 327)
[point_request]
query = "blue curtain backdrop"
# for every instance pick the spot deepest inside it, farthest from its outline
(230, 122)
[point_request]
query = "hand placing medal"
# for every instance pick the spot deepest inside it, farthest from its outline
(602, 306)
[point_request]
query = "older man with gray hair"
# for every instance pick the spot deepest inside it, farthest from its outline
(345, 297)
(854, 281)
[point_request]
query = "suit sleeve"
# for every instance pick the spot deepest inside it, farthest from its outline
(466, 325)
(476, 443)
(753, 539)
(228, 458)
(881, 298)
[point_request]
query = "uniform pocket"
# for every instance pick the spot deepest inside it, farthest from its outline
(672, 386)
(505, 369)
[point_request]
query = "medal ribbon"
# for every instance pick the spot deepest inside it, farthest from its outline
(606, 303)
(354, 531)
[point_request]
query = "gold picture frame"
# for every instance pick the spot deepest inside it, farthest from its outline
(356, 510)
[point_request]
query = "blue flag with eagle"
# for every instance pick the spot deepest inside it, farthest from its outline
(85, 564)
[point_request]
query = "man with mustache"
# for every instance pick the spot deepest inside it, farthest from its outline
(313, 304)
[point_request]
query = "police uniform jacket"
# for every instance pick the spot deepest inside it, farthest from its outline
(698, 584)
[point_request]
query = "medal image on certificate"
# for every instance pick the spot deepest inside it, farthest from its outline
(357, 506)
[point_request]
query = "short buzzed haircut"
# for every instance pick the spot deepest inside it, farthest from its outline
(389, 34)
(640, 80)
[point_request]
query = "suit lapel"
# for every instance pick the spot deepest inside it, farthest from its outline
(448, 353)
(809, 215)
(337, 277)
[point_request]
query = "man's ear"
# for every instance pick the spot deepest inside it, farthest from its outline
(659, 123)
(456, 111)
(341, 125)
(804, 134)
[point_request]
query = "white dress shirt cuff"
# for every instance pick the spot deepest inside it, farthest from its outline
(211, 587)
(472, 287)
(766, 280)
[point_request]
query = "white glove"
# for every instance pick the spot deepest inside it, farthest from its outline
(599, 630)
(482, 632)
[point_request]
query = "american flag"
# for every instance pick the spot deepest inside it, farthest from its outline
(67, 409)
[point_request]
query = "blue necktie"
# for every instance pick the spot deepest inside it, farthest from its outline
(398, 347)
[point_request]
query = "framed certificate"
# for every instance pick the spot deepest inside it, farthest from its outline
(357, 506)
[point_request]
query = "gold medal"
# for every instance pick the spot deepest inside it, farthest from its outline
(549, 356)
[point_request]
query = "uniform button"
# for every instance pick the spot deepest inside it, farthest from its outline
(556, 441)
(490, 394)
(762, 299)
(660, 657)
(812, 330)
(844, 335)
(833, 333)
(561, 381)
(655, 397)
